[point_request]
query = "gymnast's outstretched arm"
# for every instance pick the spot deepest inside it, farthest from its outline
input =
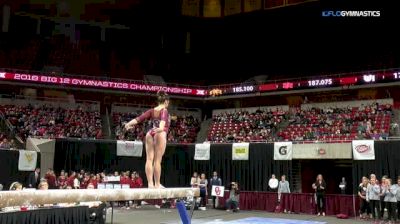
(146, 115)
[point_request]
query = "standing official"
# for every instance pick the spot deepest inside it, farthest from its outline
(215, 181)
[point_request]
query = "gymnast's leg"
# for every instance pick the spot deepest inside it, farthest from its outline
(160, 144)
(149, 160)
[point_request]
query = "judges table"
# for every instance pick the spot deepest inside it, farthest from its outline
(295, 202)
(53, 215)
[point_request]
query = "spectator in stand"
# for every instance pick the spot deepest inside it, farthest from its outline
(50, 122)
(51, 179)
(335, 124)
(203, 184)
(215, 181)
(34, 178)
(360, 135)
(320, 186)
(362, 193)
(242, 126)
(5, 144)
(13, 145)
(383, 135)
(375, 135)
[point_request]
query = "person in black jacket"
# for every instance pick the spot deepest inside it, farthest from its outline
(319, 186)
(33, 180)
(215, 181)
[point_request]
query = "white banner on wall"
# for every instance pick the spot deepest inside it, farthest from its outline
(202, 151)
(283, 151)
(240, 151)
(27, 160)
(129, 148)
(363, 150)
(322, 151)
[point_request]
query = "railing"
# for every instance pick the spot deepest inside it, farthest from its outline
(108, 123)
(49, 99)
(194, 111)
(11, 128)
(91, 104)
(8, 124)
(147, 106)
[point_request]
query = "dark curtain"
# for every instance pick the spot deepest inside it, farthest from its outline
(251, 175)
(387, 159)
(9, 172)
(93, 156)
(76, 215)
(178, 163)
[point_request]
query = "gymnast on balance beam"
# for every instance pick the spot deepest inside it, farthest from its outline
(156, 138)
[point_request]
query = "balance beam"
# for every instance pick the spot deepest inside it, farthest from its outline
(40, 197)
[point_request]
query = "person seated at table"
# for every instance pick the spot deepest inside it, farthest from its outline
(43, 185)
(233, 201)
(91, 204)
(16, 186)
(95, 208)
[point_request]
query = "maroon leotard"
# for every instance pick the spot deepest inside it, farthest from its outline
(162, 115)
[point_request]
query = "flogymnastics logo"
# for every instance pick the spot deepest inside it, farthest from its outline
(341, 13)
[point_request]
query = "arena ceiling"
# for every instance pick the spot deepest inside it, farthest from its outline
(284, 42)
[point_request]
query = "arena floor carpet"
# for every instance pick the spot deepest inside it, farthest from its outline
(258, 220)
(152, 215)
